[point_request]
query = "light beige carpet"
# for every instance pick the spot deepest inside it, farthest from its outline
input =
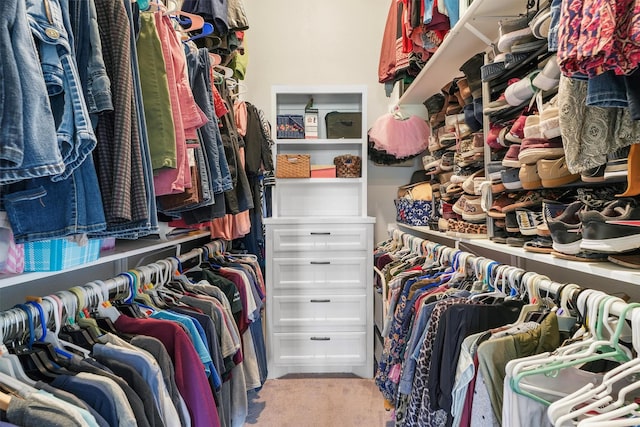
(318, 401)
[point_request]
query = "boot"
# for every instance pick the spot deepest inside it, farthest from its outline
(633, 174)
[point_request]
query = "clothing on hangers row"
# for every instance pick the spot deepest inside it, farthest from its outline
(467, 338)
(159, 345)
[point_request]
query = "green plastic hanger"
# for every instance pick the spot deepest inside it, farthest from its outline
(611, 350)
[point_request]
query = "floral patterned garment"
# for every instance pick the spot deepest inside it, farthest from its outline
(595, 36)
(387, 375)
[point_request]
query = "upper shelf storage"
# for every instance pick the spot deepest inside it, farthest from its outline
(473, 33)
(328, 193)
(291, 100)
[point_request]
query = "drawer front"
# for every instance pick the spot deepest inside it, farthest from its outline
(316, 311)
(320, 237)
(332, 348)
(319, 274)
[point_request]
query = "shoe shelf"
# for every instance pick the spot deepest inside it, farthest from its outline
(473, 33)
(607, 270)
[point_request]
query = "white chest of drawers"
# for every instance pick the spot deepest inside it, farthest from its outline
(319, 296)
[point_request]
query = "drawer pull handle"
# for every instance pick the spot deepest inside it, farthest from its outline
(320, 339)
(320, 262)
(325, 233)
(320, 300)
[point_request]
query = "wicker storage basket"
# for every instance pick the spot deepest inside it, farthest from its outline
(348, 166)
(293, 166)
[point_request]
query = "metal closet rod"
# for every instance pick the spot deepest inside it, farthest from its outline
(16, 320)
(543, 284)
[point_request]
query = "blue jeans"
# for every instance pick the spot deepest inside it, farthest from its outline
(607, 90)
(633, 93)
(199, 64)
(75, 134)
(28, 142)
(554, 25)
(88, 49)
(44, 209)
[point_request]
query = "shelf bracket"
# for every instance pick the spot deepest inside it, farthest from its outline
(473, 30)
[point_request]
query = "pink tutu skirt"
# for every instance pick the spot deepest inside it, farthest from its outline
(400, 138)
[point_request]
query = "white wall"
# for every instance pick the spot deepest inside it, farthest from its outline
(324, 42)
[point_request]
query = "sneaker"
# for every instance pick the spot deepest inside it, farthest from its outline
(471, 70)
(469, 185)
(516, 131)
(526, 200)
(629, 260)
(511, 222)
(555, 173)
(501, 103)
(615, 229)
(494, 170)
(513, 30)
(550, 119)
(493, 135)
(534, 149)
(447, 211)
(472, 231)
(518, 241)
(511, 157)
(529, 177)
(528, 221)
(617, 163)
(467, 148)
(499, 236)
(597, 198)
(499, 204)
(532, 127)
(522, 91)
(459, 206)
(549, 77)
(594, 174)
(430, 162)
(542, 245)
(446, 161)
(511, 179)
(478, 142)
(452, 227)
(565, 228)
(473, 211)
(462, 174)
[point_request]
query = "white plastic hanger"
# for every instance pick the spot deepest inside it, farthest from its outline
(591, 397)
(52, 336)
(9, 363)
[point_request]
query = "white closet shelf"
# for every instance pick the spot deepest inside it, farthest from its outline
(306, 181)
(326, 143)
(600, 269)
(471, 34)
(123, 249)
(320, 220)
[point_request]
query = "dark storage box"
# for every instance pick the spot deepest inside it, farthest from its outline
(343, 125)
